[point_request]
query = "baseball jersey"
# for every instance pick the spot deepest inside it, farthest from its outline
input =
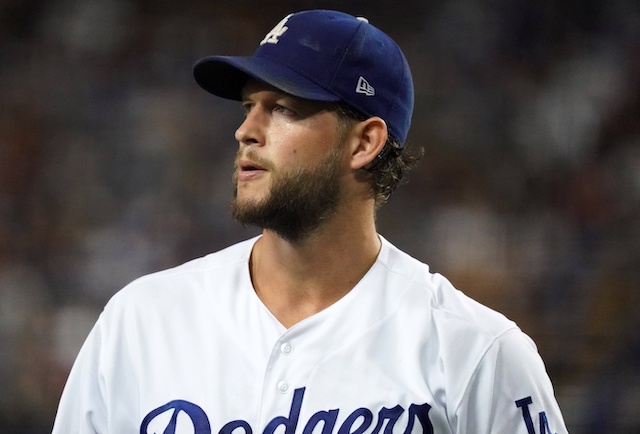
(193, 350)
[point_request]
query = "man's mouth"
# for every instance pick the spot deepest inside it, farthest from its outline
(250, 167)
(248, 170)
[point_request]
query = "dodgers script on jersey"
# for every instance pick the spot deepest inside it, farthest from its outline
(193, 350)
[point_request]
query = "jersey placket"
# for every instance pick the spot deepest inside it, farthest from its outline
(286, 372)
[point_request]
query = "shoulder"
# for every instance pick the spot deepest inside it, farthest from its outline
(448, 307)
(184, 280)
(483, 355)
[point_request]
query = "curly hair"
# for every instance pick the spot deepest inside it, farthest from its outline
(388, 170)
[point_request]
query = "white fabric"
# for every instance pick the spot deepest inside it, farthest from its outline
(193, 350)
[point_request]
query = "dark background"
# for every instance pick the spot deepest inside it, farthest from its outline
(113, 164)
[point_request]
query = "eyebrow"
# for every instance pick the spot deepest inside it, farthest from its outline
(307, 105)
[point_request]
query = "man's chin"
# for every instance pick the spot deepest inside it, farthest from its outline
(245, 210)
(249, 195)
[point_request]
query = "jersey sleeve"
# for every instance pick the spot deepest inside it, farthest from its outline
(82, 408)
(509, 392)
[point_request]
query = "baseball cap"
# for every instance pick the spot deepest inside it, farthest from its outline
(325, 56)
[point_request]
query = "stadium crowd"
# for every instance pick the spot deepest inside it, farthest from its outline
(113, 164)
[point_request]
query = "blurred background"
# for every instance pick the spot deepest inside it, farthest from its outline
(113, 164)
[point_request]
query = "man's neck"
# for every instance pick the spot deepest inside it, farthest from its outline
(298, 279)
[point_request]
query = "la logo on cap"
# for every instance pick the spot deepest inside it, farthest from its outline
(276, 32)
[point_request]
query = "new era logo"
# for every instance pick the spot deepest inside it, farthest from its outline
(364, 87)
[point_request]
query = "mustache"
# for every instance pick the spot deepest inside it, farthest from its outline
(251, 155)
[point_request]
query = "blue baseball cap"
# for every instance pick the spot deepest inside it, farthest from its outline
(325, 56)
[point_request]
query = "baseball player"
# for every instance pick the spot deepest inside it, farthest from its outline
(319, 325)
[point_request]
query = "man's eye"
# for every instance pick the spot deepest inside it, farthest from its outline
(246, 107)
(283, 110)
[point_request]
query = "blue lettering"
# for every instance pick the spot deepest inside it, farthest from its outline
(526, 414)
(357, 422)
(196, 414)
(524, 404)
(367, 416)
(229, 427)
(327, 417)
(388, 413)
(290, 423)
(544, 424)
(422, 413)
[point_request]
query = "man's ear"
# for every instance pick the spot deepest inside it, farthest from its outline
(371, 137)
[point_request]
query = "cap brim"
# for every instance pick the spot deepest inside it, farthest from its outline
(225, 77)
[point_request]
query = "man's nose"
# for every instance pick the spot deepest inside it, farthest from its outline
(251, 130)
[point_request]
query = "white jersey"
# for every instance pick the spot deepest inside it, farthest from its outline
(193, 350)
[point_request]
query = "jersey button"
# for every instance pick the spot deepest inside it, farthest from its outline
(283, 387)
(286, 348)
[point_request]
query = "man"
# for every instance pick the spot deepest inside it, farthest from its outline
(319, 325)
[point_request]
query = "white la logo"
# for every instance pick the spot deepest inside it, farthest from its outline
(276, 32)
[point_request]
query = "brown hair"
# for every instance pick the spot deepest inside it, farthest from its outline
(387, 171)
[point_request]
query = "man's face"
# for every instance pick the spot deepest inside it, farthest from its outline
(289, 164)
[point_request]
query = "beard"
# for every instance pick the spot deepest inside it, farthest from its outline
(298, 201)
